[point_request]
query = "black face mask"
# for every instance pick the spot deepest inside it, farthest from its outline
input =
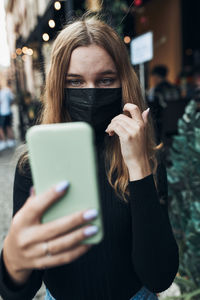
(96, 106)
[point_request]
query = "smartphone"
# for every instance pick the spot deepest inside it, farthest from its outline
(66, 151)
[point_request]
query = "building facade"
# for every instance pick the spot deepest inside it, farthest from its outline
(32, 26)
(26, 44)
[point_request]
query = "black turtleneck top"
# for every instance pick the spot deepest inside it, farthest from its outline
(138, 248)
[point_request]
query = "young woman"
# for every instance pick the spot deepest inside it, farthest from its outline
(91, 79)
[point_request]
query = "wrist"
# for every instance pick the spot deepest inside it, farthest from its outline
(139, 169)
(17, 277)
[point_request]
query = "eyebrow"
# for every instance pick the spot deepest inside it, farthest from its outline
(107, 72)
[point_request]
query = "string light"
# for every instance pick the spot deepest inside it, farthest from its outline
(45, 37)
(19, 51)
(57, 5)
(52, 23)
(24, 49)
(138, 2)
(127, 39)
(29, 51)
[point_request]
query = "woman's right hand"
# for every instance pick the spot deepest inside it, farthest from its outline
(31, 245)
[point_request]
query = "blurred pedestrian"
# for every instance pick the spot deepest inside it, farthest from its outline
(159, 96)
(91, 79)
(6, 131)
(185, 82)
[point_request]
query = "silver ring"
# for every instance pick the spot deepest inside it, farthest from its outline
(46, 249)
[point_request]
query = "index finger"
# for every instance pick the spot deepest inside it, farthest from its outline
(134, 112)
(37, 205)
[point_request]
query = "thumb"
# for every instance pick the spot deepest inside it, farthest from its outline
(145, 115)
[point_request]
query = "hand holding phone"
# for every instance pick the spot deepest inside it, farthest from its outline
(66, 151)
(31, 245)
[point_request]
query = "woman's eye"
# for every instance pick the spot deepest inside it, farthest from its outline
(72, 82)
(106, 81)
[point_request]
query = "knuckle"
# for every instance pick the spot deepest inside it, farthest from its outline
(130, 105)
(73, 239)
(16, 222)
(134, 108)
(77, 219)
(53, 248)
(79, 236)
(50, 194)
(127, 104)
(117, 125)
(26, 255)
(21, 242)
(35, 210)
(30, 203)
(128, 138)
(25, 238)
(137, 127)
(140, 126)
(80, 217)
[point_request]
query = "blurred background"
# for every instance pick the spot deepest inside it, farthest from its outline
(163, 41)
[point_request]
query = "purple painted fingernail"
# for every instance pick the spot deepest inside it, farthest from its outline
(63, 185)
(91, 230)
(90, 214)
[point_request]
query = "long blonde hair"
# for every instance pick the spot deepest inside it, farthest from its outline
(83, 32)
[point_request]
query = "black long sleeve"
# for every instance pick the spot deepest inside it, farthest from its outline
(26, 292)
(138, 249)
(154, 247)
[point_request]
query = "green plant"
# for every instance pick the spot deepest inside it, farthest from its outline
(117, 9)
(184, 192)
(186, 296)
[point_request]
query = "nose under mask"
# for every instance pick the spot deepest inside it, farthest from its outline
(96, 106)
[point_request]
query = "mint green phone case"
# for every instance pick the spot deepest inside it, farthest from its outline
(60, 152)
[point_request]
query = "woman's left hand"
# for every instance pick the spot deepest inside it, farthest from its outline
(132, 136)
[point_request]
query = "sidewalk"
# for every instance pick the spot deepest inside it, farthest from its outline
(8, 160)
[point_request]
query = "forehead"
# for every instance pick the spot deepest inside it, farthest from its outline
(90, 59)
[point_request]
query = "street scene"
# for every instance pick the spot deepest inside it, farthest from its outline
(114, 90)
